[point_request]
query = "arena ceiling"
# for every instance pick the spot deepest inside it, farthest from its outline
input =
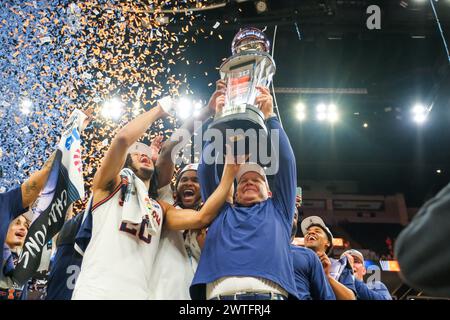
(321, 46)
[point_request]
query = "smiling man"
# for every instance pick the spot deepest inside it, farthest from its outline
(339, 272)
(247, 253)
(179, 251)
(14, 241)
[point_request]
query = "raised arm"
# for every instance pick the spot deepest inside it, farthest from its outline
(165, 163)
(112, 163)
(177, 219)
(285, 182)
(32, 187)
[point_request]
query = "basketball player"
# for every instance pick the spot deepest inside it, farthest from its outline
(127, 223)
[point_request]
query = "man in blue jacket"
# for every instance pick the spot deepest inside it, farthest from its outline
(310, 279)
(375, 290)
(319, 238)
(247, 253)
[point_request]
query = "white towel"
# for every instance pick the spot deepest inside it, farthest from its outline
(137, 205)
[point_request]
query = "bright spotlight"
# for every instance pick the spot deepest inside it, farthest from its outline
(418, 108)
(420, 113)
(301, 116)
(321, 108)
(420, 118)
(184, 108)
(438, 171)
(25, 106)
(333, 117)
(327, 112)
(365, 125)
(301, 113)
(112, 109)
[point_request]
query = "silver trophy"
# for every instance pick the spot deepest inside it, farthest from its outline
(249, 66)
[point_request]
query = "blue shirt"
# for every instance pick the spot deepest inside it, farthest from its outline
(310, 278)
(251, 241)
(10, 208)
(372, 291)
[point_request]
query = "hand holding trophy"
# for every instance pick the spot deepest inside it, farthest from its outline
(246, 101)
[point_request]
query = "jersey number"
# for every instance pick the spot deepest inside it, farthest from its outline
(135, 229)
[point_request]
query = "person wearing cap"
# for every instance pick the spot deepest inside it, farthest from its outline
(247, 253)
(310, 279)
(127, 222)
(374, 290)
(319, 238)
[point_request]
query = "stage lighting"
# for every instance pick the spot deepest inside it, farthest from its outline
(321, 112)
(332, 115)
(438, 171)
(420, 113)
(301, 113)
(112, 109)
(184, 108)
(327, 112)
(365, 125)
(26, 105)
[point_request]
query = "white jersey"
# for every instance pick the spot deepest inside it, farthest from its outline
(174, 268)
(118, 261)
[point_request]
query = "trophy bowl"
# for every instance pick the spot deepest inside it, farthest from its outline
(250, 66)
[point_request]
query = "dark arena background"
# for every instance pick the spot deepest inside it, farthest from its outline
(364, 99)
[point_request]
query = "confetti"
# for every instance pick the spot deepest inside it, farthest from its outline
(63, 55)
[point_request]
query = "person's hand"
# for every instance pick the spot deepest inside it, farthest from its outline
(326, 263)
(350, 260)
(89, 112)
(155, 146)
(201, 236)
(264, 101)
(221, 87)
(220, 103)
(166, 106)
(232, 163)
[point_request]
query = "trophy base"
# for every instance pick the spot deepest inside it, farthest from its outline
(243, 131)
